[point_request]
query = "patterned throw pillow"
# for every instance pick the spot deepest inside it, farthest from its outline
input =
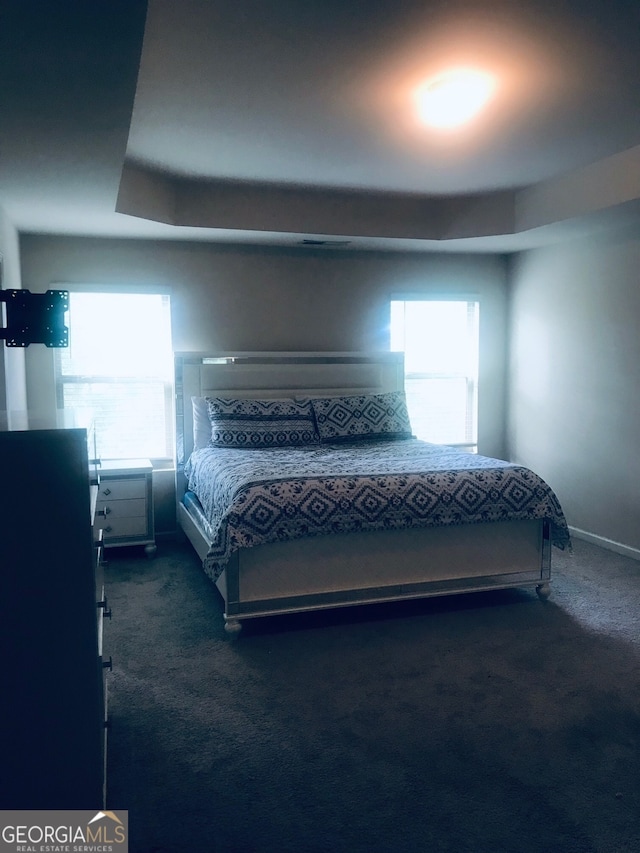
(259, 424)
(362, 416)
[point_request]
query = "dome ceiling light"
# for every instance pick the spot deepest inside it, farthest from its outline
(454, 98)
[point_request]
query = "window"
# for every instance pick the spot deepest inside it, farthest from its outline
(119, 368)
(439, 339)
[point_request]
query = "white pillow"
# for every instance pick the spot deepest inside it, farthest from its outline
(201, 423)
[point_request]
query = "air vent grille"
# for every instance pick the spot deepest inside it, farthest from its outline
(327, 243)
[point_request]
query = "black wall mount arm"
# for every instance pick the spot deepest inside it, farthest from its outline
(35, 318)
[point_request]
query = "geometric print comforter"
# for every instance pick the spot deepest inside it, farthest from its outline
(252, 497)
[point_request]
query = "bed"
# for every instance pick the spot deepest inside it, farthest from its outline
(300, 487)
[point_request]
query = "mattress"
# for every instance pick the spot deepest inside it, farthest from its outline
(252, 497)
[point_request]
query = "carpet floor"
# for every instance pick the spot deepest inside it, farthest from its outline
(485, 723)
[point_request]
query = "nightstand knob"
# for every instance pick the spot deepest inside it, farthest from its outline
(108, 664)
(106, 491)
(107, 529)
(104, 511)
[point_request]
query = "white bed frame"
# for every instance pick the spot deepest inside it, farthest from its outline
(358, 568)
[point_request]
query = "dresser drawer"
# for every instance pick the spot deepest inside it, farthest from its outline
(115, 490)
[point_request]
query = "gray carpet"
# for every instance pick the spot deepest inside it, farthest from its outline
(491, 723)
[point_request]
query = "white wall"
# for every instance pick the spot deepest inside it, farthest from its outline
(574, 387)
(573, 310)
(227, 298)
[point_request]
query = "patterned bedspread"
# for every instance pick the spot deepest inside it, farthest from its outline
(251, 497)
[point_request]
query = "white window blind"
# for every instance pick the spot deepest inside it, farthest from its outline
(118, 369)
(439, 338)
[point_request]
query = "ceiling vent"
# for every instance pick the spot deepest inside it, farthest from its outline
(332, 244)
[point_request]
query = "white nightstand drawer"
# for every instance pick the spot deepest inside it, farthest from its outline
(115, 528)
(115, 490)
(121, 509)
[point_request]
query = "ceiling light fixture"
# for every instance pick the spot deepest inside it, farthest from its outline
(454, 97)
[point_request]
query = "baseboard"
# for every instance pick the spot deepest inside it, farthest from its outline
(603, 542)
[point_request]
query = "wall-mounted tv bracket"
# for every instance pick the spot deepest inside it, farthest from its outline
(35, 318)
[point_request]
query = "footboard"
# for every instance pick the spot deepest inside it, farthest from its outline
(341, 570)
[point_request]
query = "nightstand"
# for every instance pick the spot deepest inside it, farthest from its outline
(124, 510)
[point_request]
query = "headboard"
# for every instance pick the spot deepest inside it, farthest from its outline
(276, 374)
